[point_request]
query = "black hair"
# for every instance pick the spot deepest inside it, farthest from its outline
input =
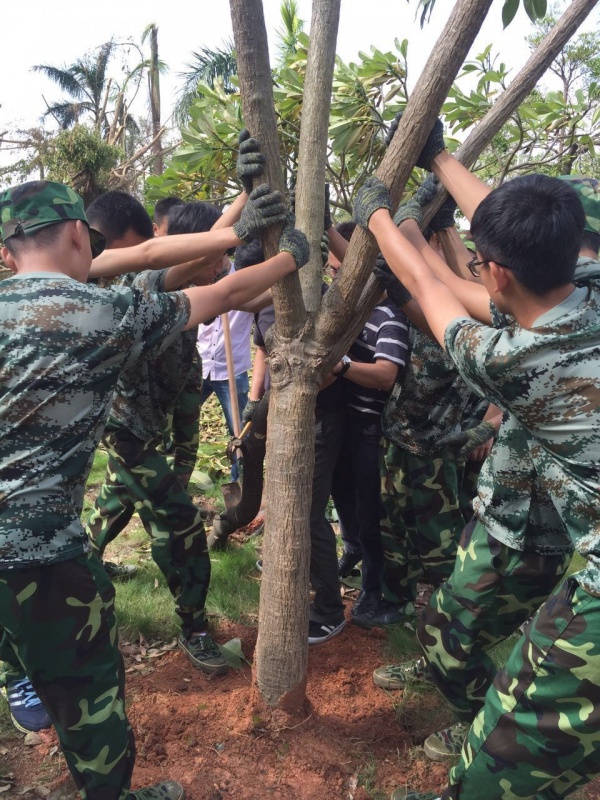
(346, 229)
(44, 237)
(164, 206)
(192, 218)
(247, 255)
(532, 225)
(590, 241)
(115, 213)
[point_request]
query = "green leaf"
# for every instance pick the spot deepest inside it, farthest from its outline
(233, 654)
(508, 11)
(540, 6)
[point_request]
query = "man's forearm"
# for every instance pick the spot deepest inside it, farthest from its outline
(381, 374)
(467, 189)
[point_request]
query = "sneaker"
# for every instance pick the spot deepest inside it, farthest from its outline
(118, 572)
(318, 632)
(165, 790)
(424, 592)
(446, 743)
(383, 614)
(366, 603)
(204, 653)
(347, 563)
(259, 565)
(26, 710)
(404, 794)
(396, 676)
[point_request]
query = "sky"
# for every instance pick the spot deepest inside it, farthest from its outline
(57, 33)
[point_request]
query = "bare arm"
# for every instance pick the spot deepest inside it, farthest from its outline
(235, 290)
(381, 374)
(232, 214)
(337, 244)
(258, 303)
(467, 189)
(456, 254)
(259, 373)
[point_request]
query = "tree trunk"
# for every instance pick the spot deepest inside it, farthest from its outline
(154, 88)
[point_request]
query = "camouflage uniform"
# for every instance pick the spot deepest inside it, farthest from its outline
(424, 487)
(541, 483)
(140, 479)
(63, 346)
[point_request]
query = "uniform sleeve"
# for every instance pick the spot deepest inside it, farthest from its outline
(155, 320)
(392, 341)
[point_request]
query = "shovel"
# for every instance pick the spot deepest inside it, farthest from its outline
(232, 491)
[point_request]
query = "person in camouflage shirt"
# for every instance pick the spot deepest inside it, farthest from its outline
(63, 345)
(530, 737)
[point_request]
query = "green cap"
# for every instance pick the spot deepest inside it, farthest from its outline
(32, 206)
(588, 191)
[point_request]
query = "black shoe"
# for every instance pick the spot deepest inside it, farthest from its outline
(204, 653)
(318, 632)
(382, 614)
(366, 603)
(347, 563)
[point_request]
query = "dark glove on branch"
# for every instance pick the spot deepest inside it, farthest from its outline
(434, 144)
(324, 248)
(396, 290)
(294, 242)
(371, 196)
(263, 209)
(414, 208)
(250, 161)
(445, 216)
(469, 440)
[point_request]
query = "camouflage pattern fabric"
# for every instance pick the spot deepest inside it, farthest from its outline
(421, 497)
(168, 514)
(588, 191)
(548, 378)
(538, 734)
(59, 619)
(63, 345)
(492, 590)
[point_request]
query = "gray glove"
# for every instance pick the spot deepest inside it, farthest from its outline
(295, 242)
(414, 208)
(250, 161)
(371, 196)
(249, 410)
(325, 248)
(396, 290)
(445, 216)
(263, 209)
(469, 440)
(434, 144)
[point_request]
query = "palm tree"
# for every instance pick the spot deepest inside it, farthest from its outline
(207, 67)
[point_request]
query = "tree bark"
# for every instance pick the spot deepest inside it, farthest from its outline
(154, 88)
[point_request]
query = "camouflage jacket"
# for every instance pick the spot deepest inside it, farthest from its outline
(430, 400)
(547, 379)
(63, 345)
(148, 389)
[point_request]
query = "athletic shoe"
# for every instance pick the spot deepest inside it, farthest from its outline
(118, 572)
(446, 743)
(404, 794)
(259, 565)
(165, 790)
(383, 614)
(204, 653)
(318, 632)
(396, 676)
(366, 602)
(26, 710)
(347, 563)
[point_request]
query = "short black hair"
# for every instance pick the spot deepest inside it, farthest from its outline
(533, 225)
(114, 213)
(195, 217)
(346, 229)
(590, 241)
(36, 240)
(163, 207)
(247, 255)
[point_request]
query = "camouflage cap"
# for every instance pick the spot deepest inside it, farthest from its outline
(588, 191)
(34, 205)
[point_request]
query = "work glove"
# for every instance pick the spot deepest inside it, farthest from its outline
(263, 209)
(250, 161)
(325, 248)
(434, 144)
(396, 290)
(414, 208)
(371, 196)
(469, 440)
(249, 410)
(294, 242)
(445, 216)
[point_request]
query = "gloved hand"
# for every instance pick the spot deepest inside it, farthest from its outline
(371, 196)
(396, 290)
(445, 216)
(327, 221)
(434, 144)
(469, 440)
(414, 208)
(263, 209)
(294, 242)
(325, 248)
(249, 410)
(250, 161)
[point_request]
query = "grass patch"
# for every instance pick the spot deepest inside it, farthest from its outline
(234, 588)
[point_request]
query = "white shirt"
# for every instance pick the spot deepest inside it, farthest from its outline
(211, 345)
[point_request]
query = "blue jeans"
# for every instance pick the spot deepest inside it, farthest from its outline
(221, 389)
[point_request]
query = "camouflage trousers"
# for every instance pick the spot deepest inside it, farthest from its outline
(59, 623)
(182, 435)
(427, 503)
(538, 734)
(139, 479)
(491, 592)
